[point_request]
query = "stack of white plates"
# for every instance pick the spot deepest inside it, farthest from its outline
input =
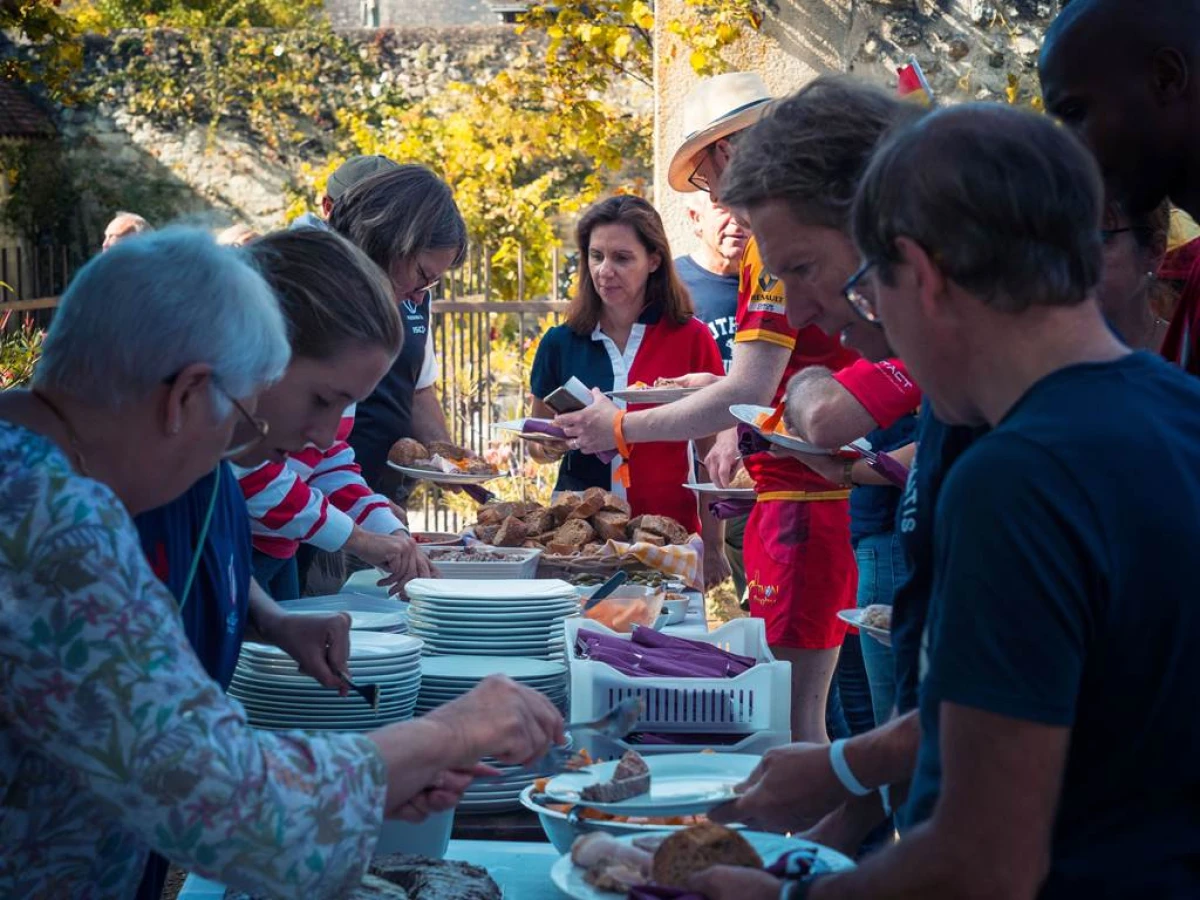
(366, 613)
(444, 678)
(501, 794)
(491, 618)
(269, 684)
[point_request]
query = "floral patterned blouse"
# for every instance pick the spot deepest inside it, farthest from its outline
(113, 740)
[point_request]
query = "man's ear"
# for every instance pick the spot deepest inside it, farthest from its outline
(1170, 75)
(187, 395)
(929, 282)
(326, 206)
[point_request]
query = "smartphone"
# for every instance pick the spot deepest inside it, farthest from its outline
(571, 397)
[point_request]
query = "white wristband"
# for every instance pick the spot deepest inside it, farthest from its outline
(837, 759)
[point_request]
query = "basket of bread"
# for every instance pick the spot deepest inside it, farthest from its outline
(593, 532)
(441, 462)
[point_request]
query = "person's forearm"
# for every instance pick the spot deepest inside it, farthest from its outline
(703, 413)
(824, 413)
(415, 752)
(923, 865)
(885, 755)
(428, 420)
(263, 614)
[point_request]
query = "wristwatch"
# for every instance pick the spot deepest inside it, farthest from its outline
(848, 473)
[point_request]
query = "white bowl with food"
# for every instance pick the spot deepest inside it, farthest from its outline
(430, 838)
(674, 609)
(561, 830)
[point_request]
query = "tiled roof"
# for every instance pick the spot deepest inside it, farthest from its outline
(20, 116)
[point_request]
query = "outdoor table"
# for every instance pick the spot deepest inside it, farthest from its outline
(522, 870)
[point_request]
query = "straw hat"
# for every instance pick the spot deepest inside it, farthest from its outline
(716, 108)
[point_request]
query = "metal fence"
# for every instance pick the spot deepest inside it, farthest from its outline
(483, 346)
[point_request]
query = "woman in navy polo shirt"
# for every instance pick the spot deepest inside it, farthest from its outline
(631, 321)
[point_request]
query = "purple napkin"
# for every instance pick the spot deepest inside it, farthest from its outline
(895, 472)
(540, 426)
(791, 866)
(731, 509)
(648, 653)
(750, 441)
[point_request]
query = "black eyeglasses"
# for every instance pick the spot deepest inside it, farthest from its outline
(261, 427)
(860, 302)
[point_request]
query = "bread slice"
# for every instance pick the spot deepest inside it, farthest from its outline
(574, 533)
(435, 879)
(487, 533)
(407, 451)
(695, 849)
(564, 506)
(539, 521)
(512, 533)
(662, 525)
(610, 524)
(613, 503)
(592, 503)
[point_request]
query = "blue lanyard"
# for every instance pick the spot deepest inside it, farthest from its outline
(200, 541)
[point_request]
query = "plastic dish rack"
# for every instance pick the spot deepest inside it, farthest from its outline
(754, 702)
(518, 562)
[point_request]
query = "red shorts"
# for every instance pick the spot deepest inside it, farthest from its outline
(800, 571)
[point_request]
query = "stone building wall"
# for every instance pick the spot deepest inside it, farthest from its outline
(969, 49)
(170, 167)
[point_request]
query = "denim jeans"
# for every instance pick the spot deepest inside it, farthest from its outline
(278, 577)
(881, 568)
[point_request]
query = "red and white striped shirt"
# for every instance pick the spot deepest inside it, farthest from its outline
(314, 497)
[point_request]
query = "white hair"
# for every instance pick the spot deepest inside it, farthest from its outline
(137, 314)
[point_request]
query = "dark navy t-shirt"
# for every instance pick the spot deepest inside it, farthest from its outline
(1065, 594)
(715, 298)
(214, 614)
(938, 447)
(873, 506)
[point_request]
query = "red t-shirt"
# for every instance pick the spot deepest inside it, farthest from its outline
(883, 388)
(1182, 342)
(762, 316)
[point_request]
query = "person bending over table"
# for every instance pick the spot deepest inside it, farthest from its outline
(631, 321)
(115, 740)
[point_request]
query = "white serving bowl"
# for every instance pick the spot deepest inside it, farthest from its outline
(674, 611)
(562, 833)
(430, 838)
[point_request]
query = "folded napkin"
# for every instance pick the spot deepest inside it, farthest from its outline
(648, 653)
(541, 426)
(893, 471)
(731, 509)
(792, 866)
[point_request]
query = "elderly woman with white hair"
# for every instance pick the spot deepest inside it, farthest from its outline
(113, 740)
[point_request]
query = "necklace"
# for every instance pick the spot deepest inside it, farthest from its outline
(72, 435)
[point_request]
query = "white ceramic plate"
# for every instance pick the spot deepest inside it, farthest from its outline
(479, 667)
(437, 626)
(708, 489)
(443, 477)
(363, 584)
(361, 620)
(652, 396)
(568, 877)
(248, 682)
(500, 589)
(348, 601)
(363, 645)
(495, 615)
(681, 784)
(854, 617)
(748, 414)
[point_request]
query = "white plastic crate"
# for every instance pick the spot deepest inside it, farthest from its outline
(755, 744)
(757, 700)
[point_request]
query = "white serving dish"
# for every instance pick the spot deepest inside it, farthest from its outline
(518, 563)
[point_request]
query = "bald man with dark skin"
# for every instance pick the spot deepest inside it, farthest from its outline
(1126, 77)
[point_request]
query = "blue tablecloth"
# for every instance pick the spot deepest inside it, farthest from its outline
(521, 869)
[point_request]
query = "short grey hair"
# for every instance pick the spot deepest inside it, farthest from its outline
(1007, 203)
(810, 149)
(136, 315)
(139, 224)
(395, 215)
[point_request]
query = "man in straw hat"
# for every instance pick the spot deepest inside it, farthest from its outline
(799, 566)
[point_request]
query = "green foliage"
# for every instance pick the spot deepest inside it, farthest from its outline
(102, 15)
(20, 349)
(42, 195)
(41, 22)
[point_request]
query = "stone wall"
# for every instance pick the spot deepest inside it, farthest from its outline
(170, 166)
(969, 49)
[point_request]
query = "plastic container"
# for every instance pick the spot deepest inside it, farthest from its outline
(518, 562)
(625, 608)
(430, 838)
(757, 700)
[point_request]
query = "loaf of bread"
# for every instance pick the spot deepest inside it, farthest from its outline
(613, 503)
(540, 521)
(742, 479)
(610, 525)
(700, 847)
(512, 533)
(592, 503)
(436, 879)
(642, 536)
(661, 525)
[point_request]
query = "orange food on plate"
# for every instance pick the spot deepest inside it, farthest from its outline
(621, 615)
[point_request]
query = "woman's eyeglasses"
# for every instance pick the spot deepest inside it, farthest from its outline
(859, 301)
